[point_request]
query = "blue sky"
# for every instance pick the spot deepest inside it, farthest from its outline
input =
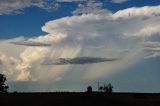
(33, 18)
(119, 30)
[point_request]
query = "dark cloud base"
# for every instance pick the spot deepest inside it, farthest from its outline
(30, 43)
(81, 60)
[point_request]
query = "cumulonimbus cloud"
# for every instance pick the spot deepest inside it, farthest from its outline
(87, 35)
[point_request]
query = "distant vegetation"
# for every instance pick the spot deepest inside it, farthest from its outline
(89, 89)
(105, 88)
(3, 86)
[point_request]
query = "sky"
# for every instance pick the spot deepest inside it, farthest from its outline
(67, 45)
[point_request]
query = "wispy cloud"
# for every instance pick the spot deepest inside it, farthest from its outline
(152, 48)
(151, 44)
(89, 6)
(80, 60)
(30, 43)
(119, 1)
(16, 6)
(71, 0)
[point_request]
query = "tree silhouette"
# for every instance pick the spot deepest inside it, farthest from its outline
(89, 89)
(3, 86)
(108, 88)
(101, 88)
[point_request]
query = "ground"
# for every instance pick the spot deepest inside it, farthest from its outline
(67, 98)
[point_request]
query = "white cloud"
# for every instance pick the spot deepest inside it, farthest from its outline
(15, 6)
(30, 43)
(152, 48)
(146, 11)
(147, 31)
(157, 54)
(87, 35)
(90, 6)
(119, 1)
(151, 44)
(144, 27)
(70, 0)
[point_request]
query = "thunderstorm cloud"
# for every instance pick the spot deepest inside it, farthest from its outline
(127, 34)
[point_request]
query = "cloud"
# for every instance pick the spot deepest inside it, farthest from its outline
(87, 35)
(7, 66)
(146, 28)
(153, 55)
(80, 60)
(152, 48)
(15, 6)
(118, 1)
(89, 6)
(70, 0)
(147, 31)
(1, 62)
(146, 11)
(151, 44)
(30, 43)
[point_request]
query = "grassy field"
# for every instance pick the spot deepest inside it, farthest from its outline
(64, 98)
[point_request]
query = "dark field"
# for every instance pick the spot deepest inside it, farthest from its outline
(83, 99)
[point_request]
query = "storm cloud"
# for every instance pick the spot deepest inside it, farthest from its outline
(81, 60)
(80, 39)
